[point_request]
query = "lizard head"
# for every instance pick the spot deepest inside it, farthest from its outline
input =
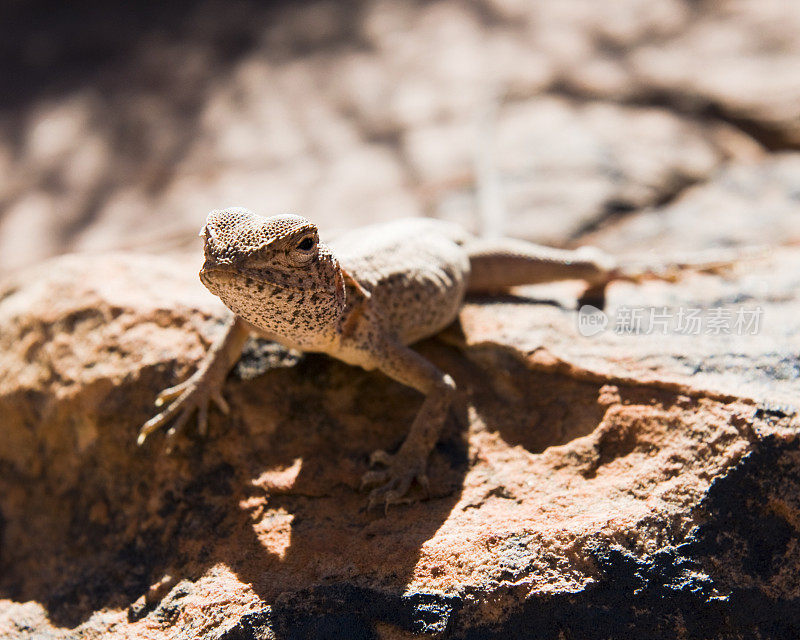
(273, 272)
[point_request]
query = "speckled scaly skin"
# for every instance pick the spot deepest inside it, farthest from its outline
(363, 300)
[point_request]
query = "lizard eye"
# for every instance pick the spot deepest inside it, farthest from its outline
(306, 244)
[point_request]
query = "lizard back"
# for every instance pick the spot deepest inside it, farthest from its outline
(416, 271)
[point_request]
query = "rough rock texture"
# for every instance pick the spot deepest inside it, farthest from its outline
(748, 205)
(591, 487)
(613, 486)
(121, 125)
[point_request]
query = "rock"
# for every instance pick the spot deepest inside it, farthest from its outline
(746, 205)
(749, 71)
(561, 167)
(348, 112)
(743, 340)
(584, 487)
(620, 484)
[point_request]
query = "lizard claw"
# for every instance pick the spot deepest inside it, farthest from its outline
(371, 478)
(170, 393)
(184, 399)
(394, 481)
(379, 456)
(220, 401)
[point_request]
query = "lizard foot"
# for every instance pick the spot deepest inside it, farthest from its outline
(395, 480)
(190, 395)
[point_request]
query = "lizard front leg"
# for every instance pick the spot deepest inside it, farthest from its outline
(410, 461)
(203, 386)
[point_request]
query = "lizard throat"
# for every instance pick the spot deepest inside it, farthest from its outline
(303, 317)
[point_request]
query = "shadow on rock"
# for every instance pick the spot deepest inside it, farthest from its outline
(273, 493)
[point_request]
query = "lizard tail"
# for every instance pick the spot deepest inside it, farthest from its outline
(498, 264)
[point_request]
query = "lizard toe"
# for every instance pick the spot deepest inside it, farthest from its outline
(170, 393)
(180, 422)
(379, 456)
(220, 401)
(193, 395)
(422, 478)
(202, 419)
(148, 427)
(394, 484)
(158, 421)
(393, 492)
(371, 478)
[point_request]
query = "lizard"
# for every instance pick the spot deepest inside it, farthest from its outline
(363, 298)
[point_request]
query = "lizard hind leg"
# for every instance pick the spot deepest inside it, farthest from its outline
(497, 265)
(410, 462)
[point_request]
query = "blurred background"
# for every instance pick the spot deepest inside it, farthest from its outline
(625, 122)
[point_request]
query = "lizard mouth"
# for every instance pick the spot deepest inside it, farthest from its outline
(211, 273)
